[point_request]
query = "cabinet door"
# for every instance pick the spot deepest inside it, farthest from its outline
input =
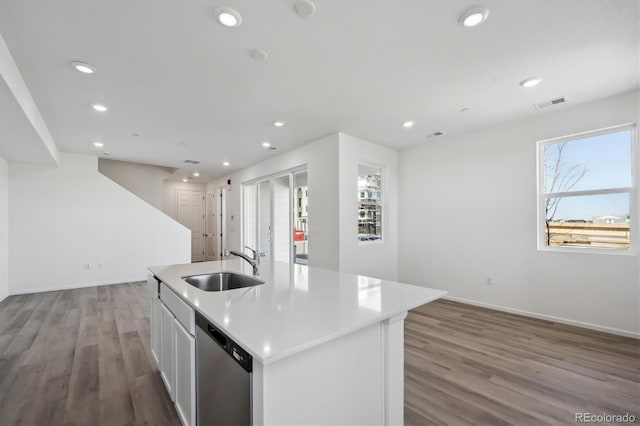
(185, 383)
(167, 356)
(156, 333)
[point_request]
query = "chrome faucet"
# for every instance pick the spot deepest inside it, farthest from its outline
(253, 261)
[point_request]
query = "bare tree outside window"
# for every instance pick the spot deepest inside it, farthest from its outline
(560, 176)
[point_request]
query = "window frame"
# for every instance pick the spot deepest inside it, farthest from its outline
(632, 191)
(382, 203)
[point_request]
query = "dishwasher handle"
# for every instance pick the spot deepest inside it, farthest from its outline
(217, 336)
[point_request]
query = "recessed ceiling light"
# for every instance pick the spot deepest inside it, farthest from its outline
(185, 180)
(98, 144)
(83, 67)
(473, 17)
(465, 109)
(305, 8)
(259, 55)
(278, 123)
(266, 144)
(106, 153)
(196, 174)
(530, 82)
(226, 163)
(408, 124)
(228, 17)
(99, 107)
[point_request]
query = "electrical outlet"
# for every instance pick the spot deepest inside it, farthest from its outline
(488, 280)
(100, 265)
(87, 266)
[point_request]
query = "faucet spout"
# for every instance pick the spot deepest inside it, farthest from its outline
(253, 261)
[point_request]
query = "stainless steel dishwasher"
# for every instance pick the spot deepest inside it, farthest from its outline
(223, 378)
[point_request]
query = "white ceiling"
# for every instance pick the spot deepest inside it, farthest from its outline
(170, 73)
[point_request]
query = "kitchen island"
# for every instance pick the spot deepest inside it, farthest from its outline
(327, 347)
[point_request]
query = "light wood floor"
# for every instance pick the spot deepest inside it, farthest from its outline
(82, 357)
(469, 365)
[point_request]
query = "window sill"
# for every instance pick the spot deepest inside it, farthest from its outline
(370, 243)
(586, 250)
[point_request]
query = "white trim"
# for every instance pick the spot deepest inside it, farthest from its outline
(597, 132)
(561, 320)
(622, 190)
(60, 288)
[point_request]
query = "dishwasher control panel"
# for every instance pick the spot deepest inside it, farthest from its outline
(234, 350)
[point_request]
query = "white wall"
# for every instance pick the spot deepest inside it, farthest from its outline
(321, 158)
(170, 195)
(4, 229)
(469, 211)
(376, 259)
(65, 217)
(144, 180)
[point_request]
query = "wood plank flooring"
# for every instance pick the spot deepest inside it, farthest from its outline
(82, 357)
(469, 365)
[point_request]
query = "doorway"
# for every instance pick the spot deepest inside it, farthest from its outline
(191, 214)
(275, 216)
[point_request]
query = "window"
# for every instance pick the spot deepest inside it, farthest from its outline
(369, 203)
(587, 192)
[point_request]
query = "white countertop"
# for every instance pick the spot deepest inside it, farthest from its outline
(297, 307)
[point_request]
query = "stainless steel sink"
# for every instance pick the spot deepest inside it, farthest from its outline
(220, 281)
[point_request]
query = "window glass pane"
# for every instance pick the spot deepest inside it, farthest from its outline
(301, 218)
(594, 162)
(369, 203)
(589, 221)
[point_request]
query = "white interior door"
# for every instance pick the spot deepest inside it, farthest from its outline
(191, 215)
(210, 226)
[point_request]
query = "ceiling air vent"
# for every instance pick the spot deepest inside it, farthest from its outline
(434, 134)
(550, 102)
(191, 162)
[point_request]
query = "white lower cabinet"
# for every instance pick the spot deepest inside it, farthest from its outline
(156, 333)
(185, 383)
(168, 345)
(173, 347)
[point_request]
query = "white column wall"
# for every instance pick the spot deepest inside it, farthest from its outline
(321, 159)
(380, 258)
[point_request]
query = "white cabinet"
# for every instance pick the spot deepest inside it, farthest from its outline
(156, 333)
(174, 348)
(168, 349)
(185, 383)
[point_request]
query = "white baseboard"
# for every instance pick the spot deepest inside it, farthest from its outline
(59, 288)
(551, 318)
